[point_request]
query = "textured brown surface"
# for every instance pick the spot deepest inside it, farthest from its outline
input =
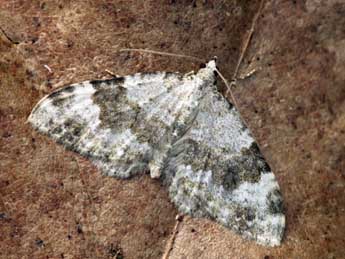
(54, 204)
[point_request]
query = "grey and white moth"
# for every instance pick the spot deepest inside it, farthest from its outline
(181, 129)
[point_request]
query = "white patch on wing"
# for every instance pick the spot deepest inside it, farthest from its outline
(165, 97)
(254, 195)
(84, 106)
(220, 127)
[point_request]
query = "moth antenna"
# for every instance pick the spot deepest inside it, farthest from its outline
(110, 73)
(179, 219)
(163, 54)
(228, 86)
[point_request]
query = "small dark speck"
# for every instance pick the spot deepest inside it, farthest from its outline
(36, 21)
(43, 6)
(193, 230)
(116, 252)
(6, 135)
(67, 124)
(39, 242)
(29, 73)
(266, 257)
(79, 229)
(3, 216)
(62, 255)
(34, 40)
(69, 237)
(70, 44)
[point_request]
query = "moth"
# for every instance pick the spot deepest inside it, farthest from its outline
(182, 130)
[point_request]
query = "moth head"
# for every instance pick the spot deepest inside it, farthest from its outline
(208, 73)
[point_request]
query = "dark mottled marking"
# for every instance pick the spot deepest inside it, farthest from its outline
(230, 180)
(275, 201)
(229, 173)
(112, 81)
(248, 214)
(254, 148)
(77, 131)
(192, 153)
(143, 131)
(69, 89)
(57, 97)
(117, 112)
(61, 101)
(243, 215)
(56, 131)
(264, 166)
(57, 93)
(69, 133)
(244, 168)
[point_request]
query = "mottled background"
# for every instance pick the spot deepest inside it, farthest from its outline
(55, 204)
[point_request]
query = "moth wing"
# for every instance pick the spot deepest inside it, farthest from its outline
(216, 171)
(104, 120)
